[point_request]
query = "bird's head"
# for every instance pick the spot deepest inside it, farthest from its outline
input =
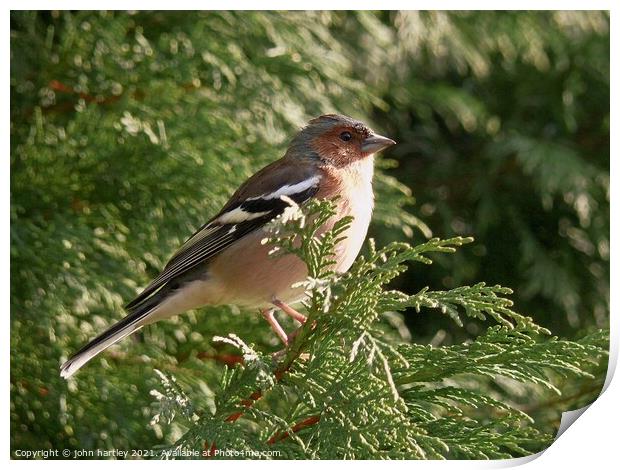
(337, 140)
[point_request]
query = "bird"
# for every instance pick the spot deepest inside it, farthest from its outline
(226, 261)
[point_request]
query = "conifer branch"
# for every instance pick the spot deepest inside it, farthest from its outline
(356, 394)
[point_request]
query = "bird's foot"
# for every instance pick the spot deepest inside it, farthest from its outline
(281, 354)
(290, 311)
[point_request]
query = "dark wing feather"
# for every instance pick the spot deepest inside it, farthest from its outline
(213, 237)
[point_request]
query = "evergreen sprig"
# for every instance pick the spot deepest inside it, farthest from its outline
(342, 390)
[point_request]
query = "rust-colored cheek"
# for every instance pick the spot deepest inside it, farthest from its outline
(336, 152)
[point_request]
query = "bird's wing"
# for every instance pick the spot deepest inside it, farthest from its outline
(254, 204)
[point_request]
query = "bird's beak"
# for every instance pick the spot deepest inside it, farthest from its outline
(376, 143)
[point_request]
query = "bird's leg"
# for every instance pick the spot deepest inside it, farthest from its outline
(290, 311)
(268, 314)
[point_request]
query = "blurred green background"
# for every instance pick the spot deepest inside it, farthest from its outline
(129, 130)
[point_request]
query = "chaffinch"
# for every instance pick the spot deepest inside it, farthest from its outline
(224, 262)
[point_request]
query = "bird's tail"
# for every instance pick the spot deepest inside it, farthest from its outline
(135, 320)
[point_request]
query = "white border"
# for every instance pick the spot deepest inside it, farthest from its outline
(312, 5)
(591, 442)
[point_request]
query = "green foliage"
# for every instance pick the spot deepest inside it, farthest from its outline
(504, 135)
(129, 130)
(342, 391)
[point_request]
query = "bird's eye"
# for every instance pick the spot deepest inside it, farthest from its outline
(346, 136)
